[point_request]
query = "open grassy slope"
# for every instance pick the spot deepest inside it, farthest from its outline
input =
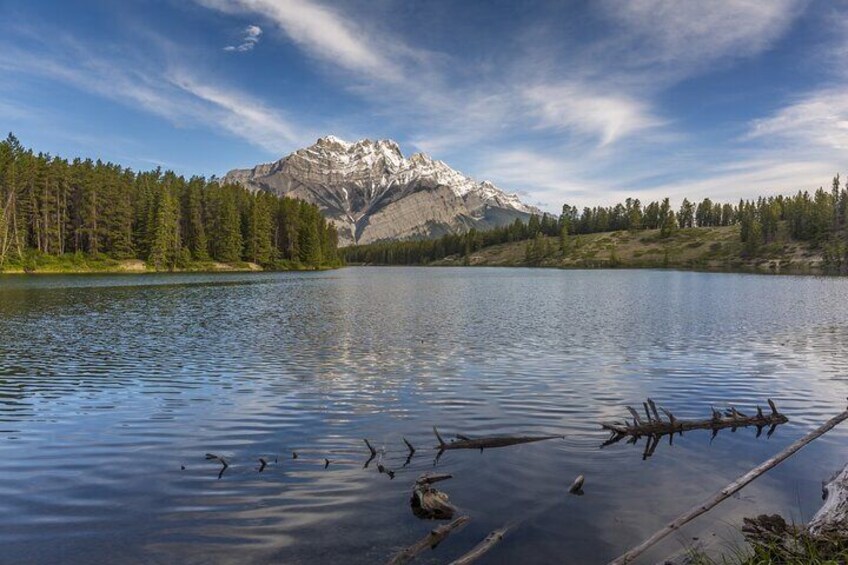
(712, 248)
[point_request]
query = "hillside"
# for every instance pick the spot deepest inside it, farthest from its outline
(707, 248)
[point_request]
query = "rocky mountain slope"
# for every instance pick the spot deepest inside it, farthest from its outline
(372, 192)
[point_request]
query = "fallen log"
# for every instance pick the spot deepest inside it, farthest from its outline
(655, 427)
(730, 489)
(464, 442)
(482, 548)
(427, 502)
(431, 540)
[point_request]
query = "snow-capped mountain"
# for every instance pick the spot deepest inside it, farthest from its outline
(372, 192)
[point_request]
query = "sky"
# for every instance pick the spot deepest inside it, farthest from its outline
(579, 102)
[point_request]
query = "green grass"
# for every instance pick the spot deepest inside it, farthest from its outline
(708, 249)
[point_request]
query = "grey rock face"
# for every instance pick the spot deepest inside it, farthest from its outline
(371, 192)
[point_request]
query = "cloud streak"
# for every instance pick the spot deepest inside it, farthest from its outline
(249, 40)
(160, 88)
(320, 31)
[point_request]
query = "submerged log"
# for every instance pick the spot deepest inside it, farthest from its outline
(482, 548)
(656, 427)
(427, 502)
(430, 541)
(465, 442)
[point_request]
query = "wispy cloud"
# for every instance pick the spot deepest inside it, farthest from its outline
(607, 117)
(240, 113)
(819, 120)
(250, 37)
(685, 37)
(319, 30)
(159, 87)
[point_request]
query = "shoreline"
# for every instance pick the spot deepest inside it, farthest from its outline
(105, 266)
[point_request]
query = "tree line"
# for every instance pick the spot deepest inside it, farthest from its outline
(53, 206)
(820, 218)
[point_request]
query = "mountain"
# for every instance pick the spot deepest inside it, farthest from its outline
(371, 192)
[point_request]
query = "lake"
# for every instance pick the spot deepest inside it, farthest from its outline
(113, 389)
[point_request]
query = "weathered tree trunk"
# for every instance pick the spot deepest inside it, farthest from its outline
(832, 518)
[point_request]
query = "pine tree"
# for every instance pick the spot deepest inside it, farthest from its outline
(166, 246)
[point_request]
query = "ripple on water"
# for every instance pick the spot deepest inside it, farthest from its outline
(113, 389)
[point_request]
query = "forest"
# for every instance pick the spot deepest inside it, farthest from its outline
(52, 207)
(821, 219)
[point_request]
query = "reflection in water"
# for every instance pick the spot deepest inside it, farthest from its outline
(110, 385)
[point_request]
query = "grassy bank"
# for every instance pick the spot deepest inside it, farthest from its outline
(708, 249)
(79, 263)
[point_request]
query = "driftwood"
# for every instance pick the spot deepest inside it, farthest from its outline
(482, 548)
(729, 490)
(654, 427)
(465, 442)
(832, 518)
(429, 503)
(430, 541)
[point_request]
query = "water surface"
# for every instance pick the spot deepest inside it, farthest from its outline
(110, 385)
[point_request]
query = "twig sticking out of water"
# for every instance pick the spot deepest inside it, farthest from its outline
(221, 460)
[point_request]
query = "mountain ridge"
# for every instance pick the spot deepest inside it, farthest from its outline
(371, 192)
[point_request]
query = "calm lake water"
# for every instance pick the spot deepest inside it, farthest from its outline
(109, 385)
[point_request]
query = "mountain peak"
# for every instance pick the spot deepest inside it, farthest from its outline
(372, 192)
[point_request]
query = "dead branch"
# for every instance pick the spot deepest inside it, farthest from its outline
(655, 428)
(221, 460)
(730, 489)
(431, 540)
(409, 446)
(482, 548)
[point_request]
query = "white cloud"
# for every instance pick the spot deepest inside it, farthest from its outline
(571, 106)
(320, 31)
(687, 36)
(157, 87)
(818, 120)
(250, 37)
(240, 114)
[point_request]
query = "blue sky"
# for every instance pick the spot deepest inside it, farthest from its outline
(579, 102)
